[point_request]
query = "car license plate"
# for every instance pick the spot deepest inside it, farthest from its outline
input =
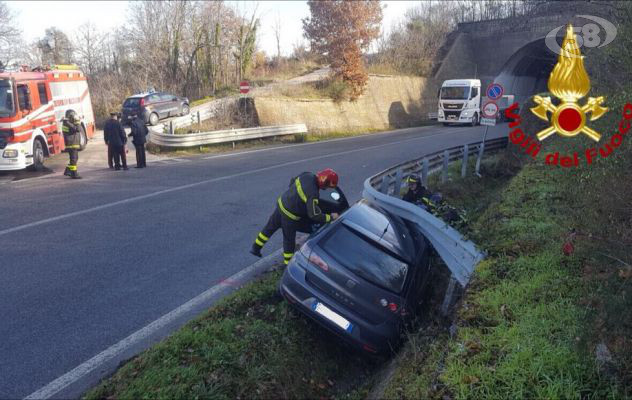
(451, 117)
(331, 315)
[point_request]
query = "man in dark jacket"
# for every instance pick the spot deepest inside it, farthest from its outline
(71, 128)
(139, 138)
(114, 136)
(296, 210)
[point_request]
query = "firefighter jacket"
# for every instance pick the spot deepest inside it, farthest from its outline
(301, 200)
(113, 133)
(417, 196)
(139, 131)
(72, 134)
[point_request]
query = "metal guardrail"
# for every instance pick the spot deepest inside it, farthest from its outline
(459, 254)
(224, 136)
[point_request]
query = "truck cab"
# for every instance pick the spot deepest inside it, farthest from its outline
(460, 102)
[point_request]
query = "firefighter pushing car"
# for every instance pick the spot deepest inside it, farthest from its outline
(296, 210)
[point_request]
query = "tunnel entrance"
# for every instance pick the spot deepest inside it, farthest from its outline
(527, 70)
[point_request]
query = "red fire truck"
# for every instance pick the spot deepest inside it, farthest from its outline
(32, 105)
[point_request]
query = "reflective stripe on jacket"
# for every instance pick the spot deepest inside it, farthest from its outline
(301, 199)
(72, 138)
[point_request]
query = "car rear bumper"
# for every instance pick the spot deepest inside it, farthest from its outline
(362, 335)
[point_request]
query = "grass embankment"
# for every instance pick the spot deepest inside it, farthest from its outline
(251, 345)
(536, 323)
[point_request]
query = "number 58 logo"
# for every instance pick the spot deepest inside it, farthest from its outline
(587, 35)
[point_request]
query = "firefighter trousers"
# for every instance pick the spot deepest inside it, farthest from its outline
(288, 227)
(73, 158)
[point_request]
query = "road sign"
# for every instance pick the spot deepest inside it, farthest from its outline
(490, 109)
(244, 87)
(495, 91)
(488, 121)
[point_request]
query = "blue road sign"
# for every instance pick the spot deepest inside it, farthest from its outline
(494, 91)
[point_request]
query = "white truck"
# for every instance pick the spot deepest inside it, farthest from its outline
(460, 102)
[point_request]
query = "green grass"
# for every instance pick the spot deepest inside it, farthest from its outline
(251, 345)
(523, 327)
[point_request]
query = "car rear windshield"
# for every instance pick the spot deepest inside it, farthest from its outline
(365, 259)
(133, 102)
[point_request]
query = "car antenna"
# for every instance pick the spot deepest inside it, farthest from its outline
(385, 230)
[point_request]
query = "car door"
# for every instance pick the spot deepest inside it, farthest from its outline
(156, 106)
(170, 101)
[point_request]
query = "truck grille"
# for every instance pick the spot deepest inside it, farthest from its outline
(448, 114)
(451, 106)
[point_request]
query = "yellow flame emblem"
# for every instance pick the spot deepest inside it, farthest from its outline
(569, 82)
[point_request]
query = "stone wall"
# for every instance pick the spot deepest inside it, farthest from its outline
(388, 102)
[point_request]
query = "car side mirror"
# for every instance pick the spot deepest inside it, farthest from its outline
(335, 196)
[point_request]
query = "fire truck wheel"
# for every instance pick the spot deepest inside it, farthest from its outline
(38, 156)
(83, 140)
(153, 119)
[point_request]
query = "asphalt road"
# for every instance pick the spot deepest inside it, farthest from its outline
(86, 263)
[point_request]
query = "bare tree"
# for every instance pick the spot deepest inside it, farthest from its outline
(276, 28)
(55, 47)
(11, 41)
(89, 48)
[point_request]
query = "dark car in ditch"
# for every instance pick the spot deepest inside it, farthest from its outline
(153, 107)
(362, 277)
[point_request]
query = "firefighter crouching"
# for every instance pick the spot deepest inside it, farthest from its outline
(296, 210)
(71, 128)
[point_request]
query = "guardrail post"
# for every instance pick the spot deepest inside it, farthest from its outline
(464, 166)
(449, 293)
(165, 129)
(198, 116)
(171, 127)
(480, 156)
(424, 172)
(398, 182)
(446, 161)
(385, 181)
(233, 129)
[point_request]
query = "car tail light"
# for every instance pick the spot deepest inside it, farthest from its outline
(393, 307)
(142, 102)
(313, 258)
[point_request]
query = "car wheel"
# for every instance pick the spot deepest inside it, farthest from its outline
(38, 156)
(185, 109)
(153, 119)
(83, 138)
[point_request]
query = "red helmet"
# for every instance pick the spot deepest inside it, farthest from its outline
(327, 178)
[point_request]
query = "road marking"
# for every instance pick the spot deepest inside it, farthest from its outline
(87, 367)
(191, 185)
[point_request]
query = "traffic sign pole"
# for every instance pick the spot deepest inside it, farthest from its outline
(490, 110)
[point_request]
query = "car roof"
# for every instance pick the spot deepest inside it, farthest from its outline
(380, 226)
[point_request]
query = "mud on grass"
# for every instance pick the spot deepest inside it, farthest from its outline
(251, 345)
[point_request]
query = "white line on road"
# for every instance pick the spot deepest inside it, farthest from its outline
(191, 185)
(87, 367)
(292, 146)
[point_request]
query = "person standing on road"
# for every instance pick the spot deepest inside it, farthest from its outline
(296, 210)
(139, 138)
(114, 136)
(71, 128)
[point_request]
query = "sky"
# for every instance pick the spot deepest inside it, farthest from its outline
(35, 16)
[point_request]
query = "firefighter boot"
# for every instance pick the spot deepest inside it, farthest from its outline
(255, 250)
(67, 172)
(75, 175)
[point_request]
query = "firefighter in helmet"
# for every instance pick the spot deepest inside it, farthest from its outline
(296, 210)
(71, 129)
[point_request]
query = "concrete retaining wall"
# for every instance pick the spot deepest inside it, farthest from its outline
(388, 102)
